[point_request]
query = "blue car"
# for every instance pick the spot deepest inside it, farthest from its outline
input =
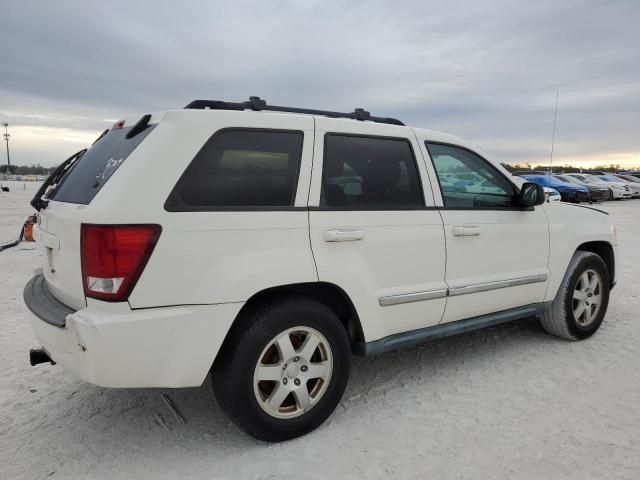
(568, 191)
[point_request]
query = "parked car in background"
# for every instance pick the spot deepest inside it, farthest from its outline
(618, 190)
(632, 174)
(552, 194)
(634, 187)
(628, 178)
(596, 193)
(568, 191)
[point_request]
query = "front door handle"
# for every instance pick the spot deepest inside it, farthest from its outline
(343, 235)
(466, 230)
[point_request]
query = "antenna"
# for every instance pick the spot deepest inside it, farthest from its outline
(553, 138)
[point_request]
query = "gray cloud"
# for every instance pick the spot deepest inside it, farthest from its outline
(487, 71)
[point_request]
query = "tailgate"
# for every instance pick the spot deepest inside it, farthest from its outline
(58, 231)
(64, 208)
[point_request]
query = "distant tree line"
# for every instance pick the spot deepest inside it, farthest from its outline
(26, 170)
(568, 168)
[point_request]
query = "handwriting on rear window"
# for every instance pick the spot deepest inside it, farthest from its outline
(111, 164)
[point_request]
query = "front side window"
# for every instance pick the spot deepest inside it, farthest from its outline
(369, 172)
(468, 180)
(241, 168)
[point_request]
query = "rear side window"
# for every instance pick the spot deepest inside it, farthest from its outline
(240, 168)
(85, 179)
(369, 172)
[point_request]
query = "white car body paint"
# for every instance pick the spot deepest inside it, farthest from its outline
(402, 270)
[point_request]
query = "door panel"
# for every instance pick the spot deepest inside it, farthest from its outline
(511, 248)
(390, 261)
(497, 253)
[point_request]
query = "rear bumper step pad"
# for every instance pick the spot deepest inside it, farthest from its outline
(43, 304)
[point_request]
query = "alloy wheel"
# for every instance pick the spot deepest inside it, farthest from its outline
(293, 372)
(587, 297)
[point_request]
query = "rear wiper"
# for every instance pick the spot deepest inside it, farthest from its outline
(40, 200)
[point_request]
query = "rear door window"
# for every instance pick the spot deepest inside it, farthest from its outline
(241, 168)
(89, 174)
(362, 173)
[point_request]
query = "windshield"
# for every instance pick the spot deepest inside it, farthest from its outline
(595, 178)
(539, 179)
(560, 182)
(612, 179)
(573, 180)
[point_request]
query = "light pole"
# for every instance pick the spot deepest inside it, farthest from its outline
(6, 139)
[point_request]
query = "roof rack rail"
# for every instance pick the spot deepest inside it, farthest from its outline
(257, 104)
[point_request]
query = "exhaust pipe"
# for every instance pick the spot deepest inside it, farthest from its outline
(38, 355)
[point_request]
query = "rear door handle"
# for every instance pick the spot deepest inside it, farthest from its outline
(466, 230)
(343, 235)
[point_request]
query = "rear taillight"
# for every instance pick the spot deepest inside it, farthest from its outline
(113, 258)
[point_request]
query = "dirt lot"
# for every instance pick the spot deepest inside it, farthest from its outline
(508, 402)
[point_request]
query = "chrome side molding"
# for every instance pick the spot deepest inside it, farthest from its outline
(484, 287)
(412, 297)
(450, 292)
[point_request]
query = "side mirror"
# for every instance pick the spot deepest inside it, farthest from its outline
(531, 194)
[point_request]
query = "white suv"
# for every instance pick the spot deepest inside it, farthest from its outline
(268, 244)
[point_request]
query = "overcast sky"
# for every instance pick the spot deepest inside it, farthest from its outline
(486, 71)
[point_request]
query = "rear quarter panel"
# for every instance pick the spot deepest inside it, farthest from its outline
(215, 256)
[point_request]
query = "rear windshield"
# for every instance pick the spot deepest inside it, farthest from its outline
(93, 170)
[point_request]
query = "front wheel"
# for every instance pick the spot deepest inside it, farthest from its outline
(284, 369)
(582, 299)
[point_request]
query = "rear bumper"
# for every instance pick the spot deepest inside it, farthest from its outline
(154, 347)
(41, 302)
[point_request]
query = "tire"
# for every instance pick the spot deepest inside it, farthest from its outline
(561, 319)
(255, 350)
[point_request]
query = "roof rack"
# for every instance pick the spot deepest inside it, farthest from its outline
(257, 104)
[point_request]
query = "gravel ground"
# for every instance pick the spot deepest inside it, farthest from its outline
(508, 402)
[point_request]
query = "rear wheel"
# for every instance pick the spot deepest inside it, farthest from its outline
(582, 299)
(284, 369)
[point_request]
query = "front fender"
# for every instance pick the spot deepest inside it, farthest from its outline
(571, 226)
